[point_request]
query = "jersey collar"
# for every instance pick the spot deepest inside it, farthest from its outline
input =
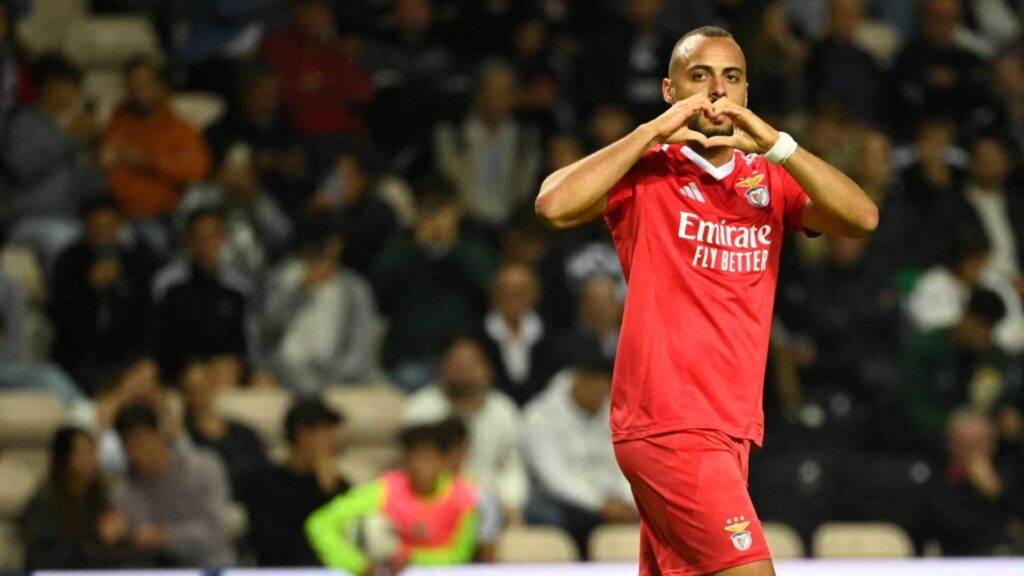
(719, 172)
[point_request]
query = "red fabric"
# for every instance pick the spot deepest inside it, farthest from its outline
(696, 513)
(701, 261)
(323, 87)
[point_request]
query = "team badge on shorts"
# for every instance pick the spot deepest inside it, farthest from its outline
(741, 538)
(757, 195)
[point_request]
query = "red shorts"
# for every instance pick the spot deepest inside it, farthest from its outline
(695, 509)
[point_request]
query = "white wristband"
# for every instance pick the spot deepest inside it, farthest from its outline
(781, 150)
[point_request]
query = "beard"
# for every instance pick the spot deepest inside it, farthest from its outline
(700, 123)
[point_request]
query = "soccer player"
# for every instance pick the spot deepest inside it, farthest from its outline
(698, 200)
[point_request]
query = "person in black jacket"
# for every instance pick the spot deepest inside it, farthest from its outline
(99, 296)
(202, 304)
(280, 498)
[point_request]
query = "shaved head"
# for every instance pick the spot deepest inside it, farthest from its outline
(684, 47)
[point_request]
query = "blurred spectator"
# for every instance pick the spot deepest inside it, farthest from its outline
(279, 152)
(514, 336)
(568, 449)
(933, 76)
(1002, 112)
(940, 294)
(149, 153)
(625, 61)
(221, 32)
(281, 497)
(14, 81)
(1001, 210)
(608, 124)
(324, 88)
(257, 230)
(949, 367)
(451, 275)
(100, 296)
(319, 319)
(847, 310)
(175, 497)
(239, 447)
(777, 55)
(352, 192)
(539, 72)
(45, 171)
(840, 70)
(432, 514)
(17, 371)
(419, 78)
(975, 508)
(202, 303)
(136, 382)
(599, 316)
(465, 391)
(70, 523)
(929, 202)
(492, 158)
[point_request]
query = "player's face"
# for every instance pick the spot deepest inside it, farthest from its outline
(715, 67)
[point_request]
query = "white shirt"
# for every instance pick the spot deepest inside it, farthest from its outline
(313, 334)
(515, 347)
(991, 207)
(494, 460)
(569, 452)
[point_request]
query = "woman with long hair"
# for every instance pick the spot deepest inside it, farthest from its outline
(70, 523)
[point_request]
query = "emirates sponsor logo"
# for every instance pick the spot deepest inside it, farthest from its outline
(725, 247)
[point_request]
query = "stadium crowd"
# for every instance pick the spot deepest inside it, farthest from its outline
(362, 210)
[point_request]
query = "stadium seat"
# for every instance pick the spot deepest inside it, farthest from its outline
(34, 460)
(261, 409)
(29, 418)
(783, 541)
(16, 488)
(615, 543)
(364, 463)
(201, 109)
(105, 89)
(44, 27)
(109, 41)
(536, 544)
(861, 540)
(11, 551)
(373, 412)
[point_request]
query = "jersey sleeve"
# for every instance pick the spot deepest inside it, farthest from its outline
(794, 200)
(621, 198)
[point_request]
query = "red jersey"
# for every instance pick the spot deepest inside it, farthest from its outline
(699, 247)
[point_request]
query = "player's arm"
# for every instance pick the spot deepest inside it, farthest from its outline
(576, 194)
(838, 205)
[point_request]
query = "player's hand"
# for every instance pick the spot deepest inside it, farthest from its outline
(750, 133)
(673, 124)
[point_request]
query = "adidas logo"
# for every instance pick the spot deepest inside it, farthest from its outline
(690, 190)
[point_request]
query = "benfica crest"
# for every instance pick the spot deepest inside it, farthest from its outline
(741, 538)
(757, 194)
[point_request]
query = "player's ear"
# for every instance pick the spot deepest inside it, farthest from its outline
(668, 93)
